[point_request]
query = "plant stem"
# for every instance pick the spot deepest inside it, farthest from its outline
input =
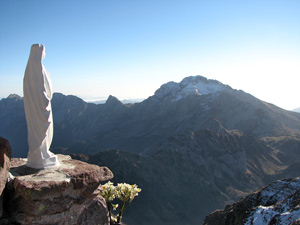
(120, 215)
(109, 211)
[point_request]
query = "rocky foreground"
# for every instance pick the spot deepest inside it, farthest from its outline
(277, 203)
(68, 194)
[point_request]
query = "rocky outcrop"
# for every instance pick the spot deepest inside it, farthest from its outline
(278, 203)
(68, 194)
(5, 156)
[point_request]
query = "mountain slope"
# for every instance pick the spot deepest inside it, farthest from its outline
(189, 176)
(13, 124)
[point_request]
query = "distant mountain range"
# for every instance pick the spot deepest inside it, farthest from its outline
(193, 146)
(124, 101)
(297, 110)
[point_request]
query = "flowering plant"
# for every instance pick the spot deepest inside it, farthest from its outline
(125, 193)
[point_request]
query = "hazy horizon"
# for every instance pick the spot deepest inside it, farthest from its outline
(129, 49)
(102, 100)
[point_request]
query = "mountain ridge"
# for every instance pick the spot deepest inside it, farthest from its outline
(158, 117)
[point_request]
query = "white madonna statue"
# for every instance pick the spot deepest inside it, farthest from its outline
(37, 102)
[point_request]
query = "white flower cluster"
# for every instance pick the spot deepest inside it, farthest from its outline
(122, 191)
(127, 192)
(108, 191)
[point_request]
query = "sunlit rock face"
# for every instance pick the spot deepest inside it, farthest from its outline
(37, 102)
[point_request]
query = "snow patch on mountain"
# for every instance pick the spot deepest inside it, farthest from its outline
(279, 204)
(193, 85)
(264, 215)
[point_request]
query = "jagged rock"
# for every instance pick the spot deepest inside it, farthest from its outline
(5, 156)
(68, 194)
(277, 203)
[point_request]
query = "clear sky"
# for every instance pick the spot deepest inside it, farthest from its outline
(130, 48)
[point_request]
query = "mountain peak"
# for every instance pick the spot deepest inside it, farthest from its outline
(193, 85)
(14, 96)
(113, 100)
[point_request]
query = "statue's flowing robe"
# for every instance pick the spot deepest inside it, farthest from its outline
(37, 102)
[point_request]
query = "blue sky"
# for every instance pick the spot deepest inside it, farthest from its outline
(129, 48)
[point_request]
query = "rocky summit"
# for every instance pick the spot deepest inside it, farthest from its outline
(197, 85)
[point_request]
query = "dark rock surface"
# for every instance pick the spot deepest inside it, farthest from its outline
(5, 156)
(68, 194)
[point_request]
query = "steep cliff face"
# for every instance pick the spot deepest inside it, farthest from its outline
(277, 203)
(68, 194)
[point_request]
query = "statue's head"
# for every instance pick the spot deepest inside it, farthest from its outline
(37, 52)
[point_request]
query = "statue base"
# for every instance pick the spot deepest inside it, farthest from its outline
(44, 163)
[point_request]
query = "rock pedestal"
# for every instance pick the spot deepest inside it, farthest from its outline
(68, 194)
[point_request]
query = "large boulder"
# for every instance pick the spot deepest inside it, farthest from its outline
(68, 194)
(5, 156)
